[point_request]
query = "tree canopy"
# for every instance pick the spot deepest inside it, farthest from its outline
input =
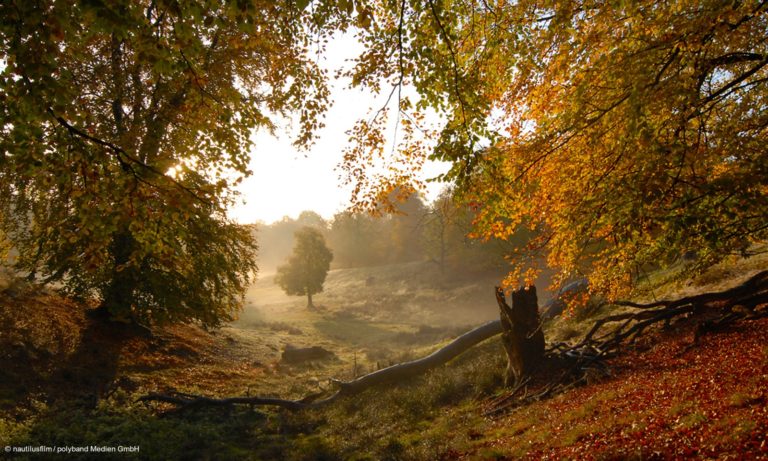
(625, 134)
(622, 134)
(125, 126)
(305, 271)
(276, 240)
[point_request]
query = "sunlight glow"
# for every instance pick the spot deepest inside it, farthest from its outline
(286, 181)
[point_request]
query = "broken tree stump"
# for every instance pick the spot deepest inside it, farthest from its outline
(522, 336)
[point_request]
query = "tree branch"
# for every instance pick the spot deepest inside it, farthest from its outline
(456, 78)
(122, 155)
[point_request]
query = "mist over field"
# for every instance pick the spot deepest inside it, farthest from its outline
(414, 266)
(398, 283)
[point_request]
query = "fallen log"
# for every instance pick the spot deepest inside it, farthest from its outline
(406, 370)
(189, 401)
(749, 295)
(399, 372)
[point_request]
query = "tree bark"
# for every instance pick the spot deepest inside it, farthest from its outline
(523, 338)
(118, 296)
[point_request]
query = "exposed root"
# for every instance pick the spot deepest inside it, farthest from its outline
(184, 401)
(719, 308)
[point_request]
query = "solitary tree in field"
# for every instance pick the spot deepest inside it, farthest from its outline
(306, 269)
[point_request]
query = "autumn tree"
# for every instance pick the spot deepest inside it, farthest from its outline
(306, 269)
(125, 126)
(625, 134)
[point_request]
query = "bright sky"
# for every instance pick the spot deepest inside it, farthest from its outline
(285, 181)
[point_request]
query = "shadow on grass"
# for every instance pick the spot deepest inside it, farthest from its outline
(89, 372)
(54, 376)
(354, 331)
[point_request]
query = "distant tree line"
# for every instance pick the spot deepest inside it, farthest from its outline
(417, 231)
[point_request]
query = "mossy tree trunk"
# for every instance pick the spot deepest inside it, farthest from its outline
(522, 336)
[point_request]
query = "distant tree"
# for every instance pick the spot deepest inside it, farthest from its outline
(446, 235)
(390, 234)
(407, 215)
(306, 269)
(310, 218)
(437, 224)
(276, 239)
(356, 240)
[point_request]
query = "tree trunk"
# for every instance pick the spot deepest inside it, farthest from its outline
(118, 296)
(523, 338)
(309, 301)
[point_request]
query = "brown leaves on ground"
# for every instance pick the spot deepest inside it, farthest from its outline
(51, 350)
(666, 399)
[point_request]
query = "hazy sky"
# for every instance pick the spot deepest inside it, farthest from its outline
(285, 181)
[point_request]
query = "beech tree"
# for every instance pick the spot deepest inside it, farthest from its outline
(306, 269)
(624, 134)
(125, 126)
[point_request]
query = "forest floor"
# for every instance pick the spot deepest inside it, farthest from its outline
(666, 398)
(67, 381)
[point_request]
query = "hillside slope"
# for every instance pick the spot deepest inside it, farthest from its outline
(68, 381)
(666, 398)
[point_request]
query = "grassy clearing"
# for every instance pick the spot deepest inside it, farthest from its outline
(413, 293)
(367, 324)
(54, 338)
